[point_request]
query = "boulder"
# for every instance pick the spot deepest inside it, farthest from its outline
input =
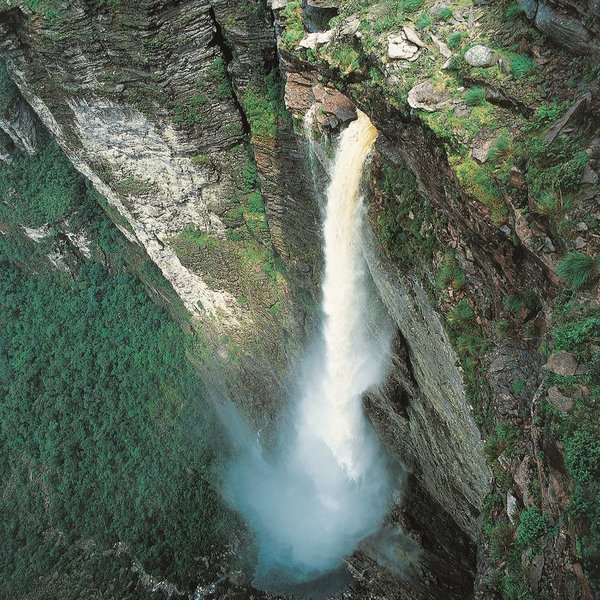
(562, 363)
(480, 56)
(565, 30)
(424, 96)
(511, 507)
(529, 7)
(559, 400)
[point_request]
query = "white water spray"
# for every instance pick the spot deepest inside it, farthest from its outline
(327, 488)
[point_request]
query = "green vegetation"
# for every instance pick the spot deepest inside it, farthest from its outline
(264, 105)
(345, 58)
(577, 270)
(423, 21)
(475, 96)
(451, 274)
(294, 26)
(522, 66)
(135, 186)
(445, 13)
(105, 433)
(455, 40)
(532, 526)
(404, 221)
(501, 148)
(39, 189)
(109, 438)
(212, 88)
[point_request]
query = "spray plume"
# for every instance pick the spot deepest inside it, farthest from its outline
(326, 487)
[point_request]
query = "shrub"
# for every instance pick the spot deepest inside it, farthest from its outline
(500, 148)
(522, 66)
(513, 11)
(454, 40)
(527, 299)
(475, 96)
(577, 270)
(502, 538)
(294, 26)
(548, 205)
(201, 159)
(532, 525)
(256, 204)
(346, 59)
(461, 313)
(451, 274)
(518, 386)
(445, 13)
(423, 20)
(411, 6)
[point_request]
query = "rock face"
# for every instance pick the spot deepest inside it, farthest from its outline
(574, 24)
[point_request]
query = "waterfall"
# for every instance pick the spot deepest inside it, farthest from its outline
(327, 487)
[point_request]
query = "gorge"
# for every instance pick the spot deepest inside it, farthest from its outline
(182, 153)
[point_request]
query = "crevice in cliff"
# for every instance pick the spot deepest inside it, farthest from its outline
(227, 53)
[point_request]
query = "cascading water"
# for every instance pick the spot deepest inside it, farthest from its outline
(327, 487)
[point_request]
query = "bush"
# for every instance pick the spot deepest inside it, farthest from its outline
(475, 96)
(500, 148)
(577, 270)
(294, 26)
(445, 13)
(423, 20)
(454, 40)
(532, 525)
(522, 66)
(461, 314)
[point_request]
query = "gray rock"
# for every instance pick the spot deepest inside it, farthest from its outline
(562, 363)
(529, 7)
(413, 37)
(480, 56)
(579, 243)
(498, 365)
(349, 27)
(312, 40)
(399, 48)
(444, 50)
(511, 507)
(424, 96)
(481, 148)
(559, 401)
(535, 572)
(581, 226)
(589, 176)
(564, 29)
(548, 246)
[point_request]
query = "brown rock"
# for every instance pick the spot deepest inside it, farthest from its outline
(516, 178)
(559, 400)
(562, 363)
(338, 105)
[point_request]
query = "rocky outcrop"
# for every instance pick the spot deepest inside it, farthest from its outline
(574, 24)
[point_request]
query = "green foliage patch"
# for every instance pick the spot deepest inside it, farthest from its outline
(109, 436)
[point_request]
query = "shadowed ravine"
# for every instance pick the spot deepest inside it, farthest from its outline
(327, 486)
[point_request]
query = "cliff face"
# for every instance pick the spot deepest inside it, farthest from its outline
(175, 112)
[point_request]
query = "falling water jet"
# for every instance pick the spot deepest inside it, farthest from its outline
(327, 487)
